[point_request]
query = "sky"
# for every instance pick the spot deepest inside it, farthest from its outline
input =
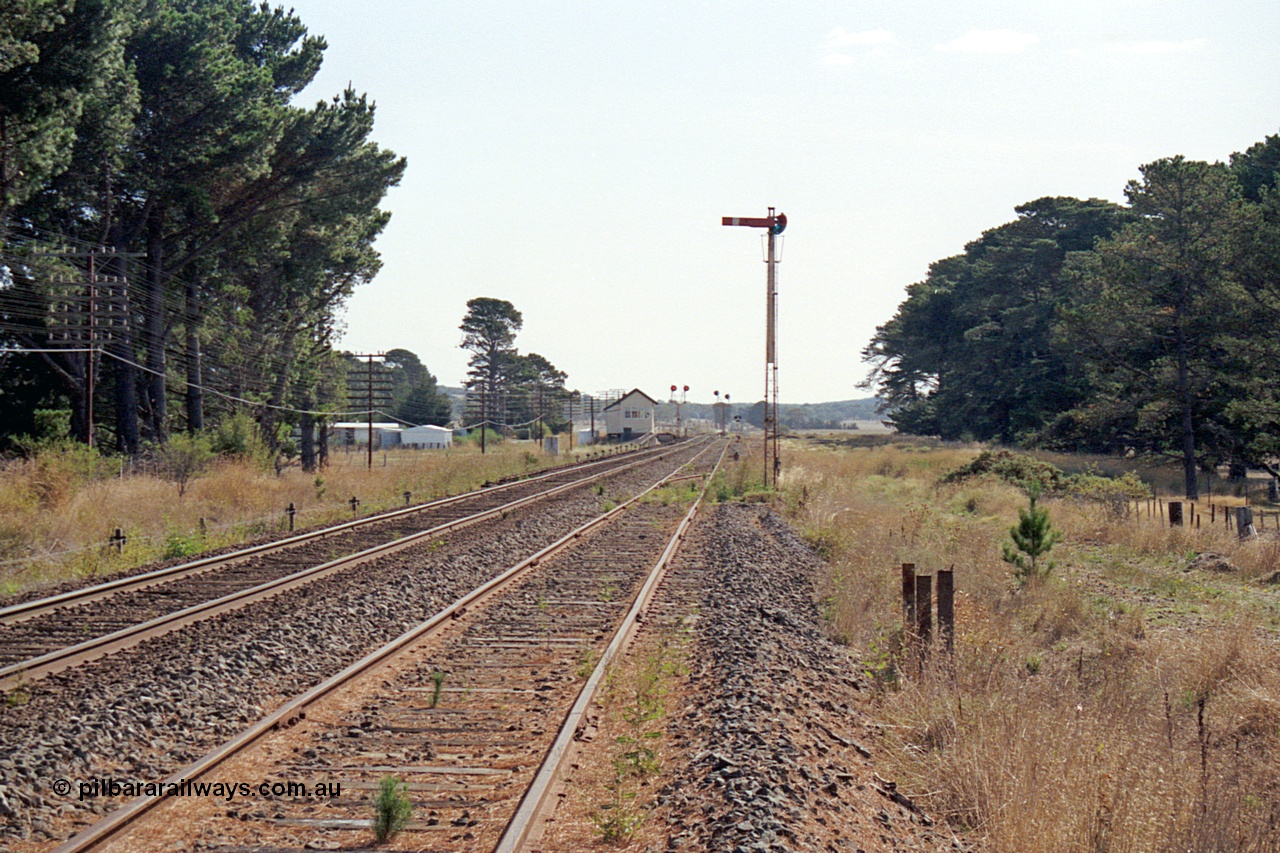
(575, 158)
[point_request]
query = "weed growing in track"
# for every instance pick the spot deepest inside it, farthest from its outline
(391, 808)
(636, 702)
(588, 657)
(437, 687)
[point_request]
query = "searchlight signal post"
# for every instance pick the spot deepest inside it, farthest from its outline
(775, 223)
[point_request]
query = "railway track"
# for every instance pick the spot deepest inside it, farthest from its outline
(44, 636)
(471, 709)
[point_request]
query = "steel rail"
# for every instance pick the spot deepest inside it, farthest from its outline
(35, 607)
(295, 709)
(534, 806)
(23, 672)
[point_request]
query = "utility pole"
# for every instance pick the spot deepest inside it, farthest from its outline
(573, 398)
(373, 388)
(776, 223)
(76, 318)
(484, 411)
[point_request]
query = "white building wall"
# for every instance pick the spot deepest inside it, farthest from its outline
(427, 437)
(633, 412)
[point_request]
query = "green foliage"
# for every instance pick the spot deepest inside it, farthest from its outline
(182, 545)
(183, 457)
(1086, 326)
(489, 334)
(239, 436)
(57, 59)
(587, 659)
(52, 424)
(491, 437)
(637, 757)
(1155, 309)
(416, 396)
(437, 687)
(970, 353)
(1033, 537)
(1115, 492)
(1017, 468)
(167, 128)
(391, 808)
(618, 820)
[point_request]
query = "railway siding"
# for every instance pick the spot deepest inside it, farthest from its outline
(510, 671)
(155, 707)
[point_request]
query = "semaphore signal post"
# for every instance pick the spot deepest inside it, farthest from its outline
(776, 223)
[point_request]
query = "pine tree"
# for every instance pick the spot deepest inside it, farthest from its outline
(1033, 537)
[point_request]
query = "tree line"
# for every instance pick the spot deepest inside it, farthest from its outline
(1086, 325)
(508, 390)
(177, 234)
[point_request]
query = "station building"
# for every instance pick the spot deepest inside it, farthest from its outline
(630, 416)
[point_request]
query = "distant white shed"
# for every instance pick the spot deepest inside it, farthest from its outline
(427, 437)
(384, 434)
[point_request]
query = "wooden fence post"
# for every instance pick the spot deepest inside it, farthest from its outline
(1244, 522)
(947, 608)
(908, 597)
(1175, 513)
(924, 612)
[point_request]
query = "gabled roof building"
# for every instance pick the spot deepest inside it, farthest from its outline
(630, 416)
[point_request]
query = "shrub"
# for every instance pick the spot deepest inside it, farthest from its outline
(1017, 468)
(1033, 537)
(391, 808)
(240, 437)
(183, 457)
(1114, 493)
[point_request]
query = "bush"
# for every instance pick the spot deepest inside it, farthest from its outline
(239, 436)
(55, 469)
(1114, 493)
(1017, 468)
(491, 437)
(183, 457)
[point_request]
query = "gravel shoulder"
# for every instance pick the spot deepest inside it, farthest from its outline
(767, 741)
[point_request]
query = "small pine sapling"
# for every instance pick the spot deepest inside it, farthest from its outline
(1033, 537)
(392, 808)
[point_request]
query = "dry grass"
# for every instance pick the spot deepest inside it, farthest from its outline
(57, 509)
(1121, 704)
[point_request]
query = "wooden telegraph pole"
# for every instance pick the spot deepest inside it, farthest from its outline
(372, 388)
(85, 319)
(776, 223)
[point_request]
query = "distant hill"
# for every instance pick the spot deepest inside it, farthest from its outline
(816, 415)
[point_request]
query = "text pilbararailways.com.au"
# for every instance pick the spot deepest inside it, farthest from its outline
(229, 791)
